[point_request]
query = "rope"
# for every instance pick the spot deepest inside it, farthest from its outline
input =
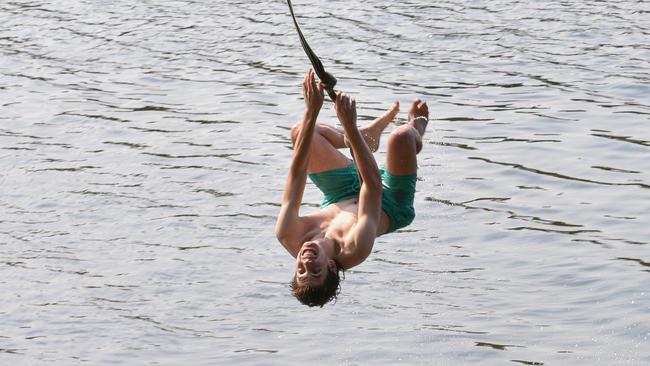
(328, 79)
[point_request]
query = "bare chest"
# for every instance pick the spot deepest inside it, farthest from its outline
(341, 220)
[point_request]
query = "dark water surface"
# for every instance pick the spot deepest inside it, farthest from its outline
(144, 146)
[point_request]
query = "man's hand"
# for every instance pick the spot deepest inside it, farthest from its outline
(346, 111)
(313, 94)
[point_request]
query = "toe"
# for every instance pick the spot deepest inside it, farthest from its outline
(424, 109)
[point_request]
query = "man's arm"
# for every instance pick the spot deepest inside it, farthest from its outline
(290, 227)
(362, 236)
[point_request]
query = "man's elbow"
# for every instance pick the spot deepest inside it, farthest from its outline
(280, 233)
(283, 239)
(284, 235)
(364, 247)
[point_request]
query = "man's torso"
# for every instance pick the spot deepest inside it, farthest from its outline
(337, 220)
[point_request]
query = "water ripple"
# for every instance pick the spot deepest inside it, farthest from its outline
(144, 148)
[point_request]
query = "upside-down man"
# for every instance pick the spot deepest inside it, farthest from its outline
(361, 202)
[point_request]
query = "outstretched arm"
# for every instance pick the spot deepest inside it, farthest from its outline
(290, 227)
(362, 237)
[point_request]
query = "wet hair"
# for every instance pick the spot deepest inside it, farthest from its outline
(318, 295)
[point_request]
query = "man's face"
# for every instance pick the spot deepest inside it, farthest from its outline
(311, 264)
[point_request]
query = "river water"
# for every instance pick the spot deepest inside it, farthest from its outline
(144, 147)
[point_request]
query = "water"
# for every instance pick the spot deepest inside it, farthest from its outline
(144, 147)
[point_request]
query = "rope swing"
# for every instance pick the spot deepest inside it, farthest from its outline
(329, 81)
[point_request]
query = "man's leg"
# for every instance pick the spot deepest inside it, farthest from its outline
(323, 155)
(399, 181)
(371, 132)
(327, 139)
(405, 142)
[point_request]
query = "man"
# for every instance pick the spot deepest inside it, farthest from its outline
(360, 202)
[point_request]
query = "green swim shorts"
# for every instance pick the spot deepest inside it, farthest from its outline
(397, 199)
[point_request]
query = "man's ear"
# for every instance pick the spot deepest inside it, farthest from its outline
(332, 265)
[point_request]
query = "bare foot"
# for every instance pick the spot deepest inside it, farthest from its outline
(419, 116)
(372, 131)
(419, 119)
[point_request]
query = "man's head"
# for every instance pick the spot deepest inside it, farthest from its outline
(316, 281)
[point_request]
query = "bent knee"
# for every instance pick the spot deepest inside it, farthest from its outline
(405, 137)
(295, 131)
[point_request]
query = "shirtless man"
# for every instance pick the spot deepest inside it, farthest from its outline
(361, 202)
